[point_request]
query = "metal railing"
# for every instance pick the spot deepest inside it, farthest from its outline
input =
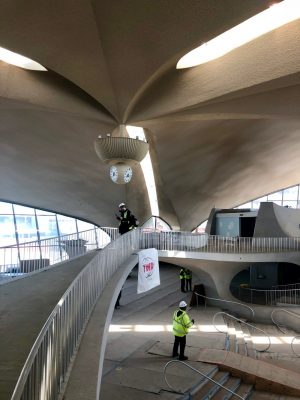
(242, 322)
(292, 345)
(47, 365)
(187, 241)
(269, 296)
(200, 373)
(287, 286)
(280, 326)
(226, 301)
(36, 255)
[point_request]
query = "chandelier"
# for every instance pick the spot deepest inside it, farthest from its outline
(121, 153)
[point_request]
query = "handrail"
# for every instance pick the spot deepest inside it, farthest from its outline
(200, 373)
(286, 286)
(50, 358)
(226, 301)
(243, 322)
(292, 344)
(274, 295)
(286, 311)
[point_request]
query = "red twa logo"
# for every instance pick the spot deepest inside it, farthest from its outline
(148, 266)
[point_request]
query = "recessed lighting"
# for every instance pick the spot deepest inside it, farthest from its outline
(19, 61)
(274, 17)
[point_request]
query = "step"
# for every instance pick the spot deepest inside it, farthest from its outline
(231, 384)
(208, 388)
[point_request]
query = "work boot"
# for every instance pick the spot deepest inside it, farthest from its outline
(183, 358)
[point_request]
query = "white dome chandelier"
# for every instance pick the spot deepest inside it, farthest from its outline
(121, 153)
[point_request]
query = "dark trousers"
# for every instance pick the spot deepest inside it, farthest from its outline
(179, 341)
(182, 281)
(189, 284)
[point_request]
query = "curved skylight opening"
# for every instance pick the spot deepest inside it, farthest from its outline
(146, 165)
(19, 61)
(274, 17)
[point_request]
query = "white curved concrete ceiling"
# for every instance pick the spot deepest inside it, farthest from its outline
(220, 133)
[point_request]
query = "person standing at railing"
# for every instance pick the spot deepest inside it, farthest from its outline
(181, 325)
(182, 276)
(126, 218)
(188, 280)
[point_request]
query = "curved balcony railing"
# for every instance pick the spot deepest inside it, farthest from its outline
(269, 297)
(200, 373)
(29, 257)
(187, 241)
(226, 301)
(242, 322)
(48, 363)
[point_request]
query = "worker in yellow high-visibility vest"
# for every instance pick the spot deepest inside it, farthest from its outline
(181, 325)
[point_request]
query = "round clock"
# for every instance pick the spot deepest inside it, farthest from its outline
(127, 174)
(113, 173)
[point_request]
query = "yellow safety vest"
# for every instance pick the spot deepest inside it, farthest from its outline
(181, 324)
(182, 274)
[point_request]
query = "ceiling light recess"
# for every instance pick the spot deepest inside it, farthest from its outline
(274, 17)
(19, 61)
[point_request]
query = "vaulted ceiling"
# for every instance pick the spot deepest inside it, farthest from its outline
(220, 134)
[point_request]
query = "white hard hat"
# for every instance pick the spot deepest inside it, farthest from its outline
(182, 304)
(121, 205)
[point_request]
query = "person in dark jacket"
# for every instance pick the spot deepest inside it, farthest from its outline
(182, 279)
(181, 325)
(126, 218)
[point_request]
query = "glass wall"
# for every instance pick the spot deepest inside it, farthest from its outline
(25, 235)
(288, 197)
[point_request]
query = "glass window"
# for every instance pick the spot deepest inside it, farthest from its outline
(66, 225)
(84, 226)
(26, 227)
(5, 208)
(279, 202)
(261, 199)
(256, 204)
(290, 193)
(47, 226)
(290, 203)
(275, 196)
(7, 231)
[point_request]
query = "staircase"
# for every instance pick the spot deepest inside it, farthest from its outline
(140, 345)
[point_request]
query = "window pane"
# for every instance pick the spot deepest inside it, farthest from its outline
(246, 205)
(23, 210)
(47, 226)
(275, 196)
(26, 227)
(66, 225)
(7, 230)
(261, 199)
(5, 208)
(41, 212)
(279, 202)
(84, 226)
(256, 204)
(290, 193)
(290, 203)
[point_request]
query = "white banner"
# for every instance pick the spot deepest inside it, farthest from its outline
(148, 276)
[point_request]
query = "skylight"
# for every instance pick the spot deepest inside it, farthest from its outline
(19, 61)
(274, 17)
(146, 165)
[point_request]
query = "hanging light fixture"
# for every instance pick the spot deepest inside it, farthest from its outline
(121, 153)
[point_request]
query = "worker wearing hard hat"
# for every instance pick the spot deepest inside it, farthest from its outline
(126, 218)
(181, 325)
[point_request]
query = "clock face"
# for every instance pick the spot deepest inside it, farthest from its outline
(127, 175)
(113, 173)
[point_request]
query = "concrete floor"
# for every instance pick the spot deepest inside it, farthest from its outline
(140, 333)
